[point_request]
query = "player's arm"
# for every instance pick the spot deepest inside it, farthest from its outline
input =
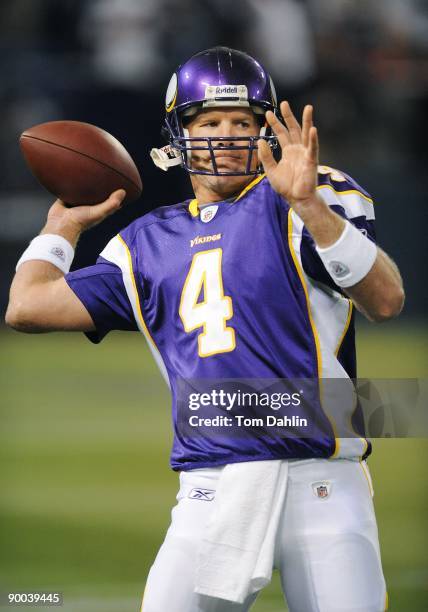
(40, 298)
(379, 294)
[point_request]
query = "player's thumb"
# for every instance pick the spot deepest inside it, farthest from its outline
(265, 155)
(116, 198)
(111, 205)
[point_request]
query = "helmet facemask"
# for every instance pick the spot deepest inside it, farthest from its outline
(181, 141)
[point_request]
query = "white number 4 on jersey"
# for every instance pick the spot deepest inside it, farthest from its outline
(205, 275)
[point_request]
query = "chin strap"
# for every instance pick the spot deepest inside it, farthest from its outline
(166, 157)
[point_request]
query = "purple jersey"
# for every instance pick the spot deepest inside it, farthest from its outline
(233, 290)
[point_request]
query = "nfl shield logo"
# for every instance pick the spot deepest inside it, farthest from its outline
(321, 489)
(209, 213)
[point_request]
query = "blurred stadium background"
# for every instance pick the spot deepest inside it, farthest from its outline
(86, 491)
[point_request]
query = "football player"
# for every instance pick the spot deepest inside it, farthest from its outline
(257, 276)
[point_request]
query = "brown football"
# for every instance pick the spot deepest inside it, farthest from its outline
(79, 162)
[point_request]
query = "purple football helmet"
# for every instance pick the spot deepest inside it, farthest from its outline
(217, 77)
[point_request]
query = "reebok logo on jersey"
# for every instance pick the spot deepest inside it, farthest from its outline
(204, 239)
(202, 494)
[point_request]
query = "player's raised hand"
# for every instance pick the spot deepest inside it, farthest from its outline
(71, 222)
(295, 175)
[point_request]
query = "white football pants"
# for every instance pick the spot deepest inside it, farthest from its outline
(327, 549)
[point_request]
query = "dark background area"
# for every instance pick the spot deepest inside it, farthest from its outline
(362, 64)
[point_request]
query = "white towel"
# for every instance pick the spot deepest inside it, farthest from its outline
(236, 556)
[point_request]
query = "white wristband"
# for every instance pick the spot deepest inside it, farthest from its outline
(350, 258)
(52, 248)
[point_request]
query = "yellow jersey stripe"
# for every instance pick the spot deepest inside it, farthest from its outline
(142, 600)
(193, 204)
(137, 297)
(250, 186)
(312, 322)
(336, 352)
(302, 280)
(346, 192)
(367, 476)
(345, 329)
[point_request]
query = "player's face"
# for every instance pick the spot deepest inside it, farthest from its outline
(223, 122)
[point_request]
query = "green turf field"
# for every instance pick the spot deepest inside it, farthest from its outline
(86, 487)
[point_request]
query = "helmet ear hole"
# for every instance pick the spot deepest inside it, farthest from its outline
(259, 114)
(185, 119)
(165, 134)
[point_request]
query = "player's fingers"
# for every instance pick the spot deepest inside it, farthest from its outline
(265, 156)
(313, 146)
(291, 122)
(278, 129)
(307, 123)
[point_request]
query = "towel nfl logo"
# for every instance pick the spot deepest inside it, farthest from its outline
(321, 489)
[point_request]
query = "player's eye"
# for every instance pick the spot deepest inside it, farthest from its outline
(243, 123)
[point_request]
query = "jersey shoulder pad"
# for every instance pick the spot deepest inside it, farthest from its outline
(339, 189)
(158, 215)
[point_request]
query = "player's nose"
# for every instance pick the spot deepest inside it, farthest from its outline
(225, 131)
